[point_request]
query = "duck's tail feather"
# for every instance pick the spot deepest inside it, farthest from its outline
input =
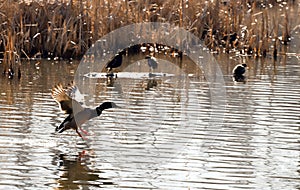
(62, 127)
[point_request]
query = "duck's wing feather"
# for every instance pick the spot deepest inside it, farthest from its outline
(74, 93)
(60, 95)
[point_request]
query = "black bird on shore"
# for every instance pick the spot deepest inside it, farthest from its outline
(238, 72)
(115, 62)
(67, 104)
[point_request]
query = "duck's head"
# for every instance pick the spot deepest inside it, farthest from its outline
(244, 65)
(106, 105)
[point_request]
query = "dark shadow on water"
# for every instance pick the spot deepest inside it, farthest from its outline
(74, 172)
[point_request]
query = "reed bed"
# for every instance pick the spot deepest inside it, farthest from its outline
(66, 29)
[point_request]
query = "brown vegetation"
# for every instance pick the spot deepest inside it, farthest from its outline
(68, 28)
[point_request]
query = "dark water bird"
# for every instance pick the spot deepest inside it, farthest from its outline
(152, 62)
(238, 72)
(115, 62)
(11, 73)
(232, 38)
(68, 105)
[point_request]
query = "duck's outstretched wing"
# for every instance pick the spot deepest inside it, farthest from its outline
(60, 95)
(74, 93)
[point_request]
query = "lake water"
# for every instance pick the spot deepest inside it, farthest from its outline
(161, 137)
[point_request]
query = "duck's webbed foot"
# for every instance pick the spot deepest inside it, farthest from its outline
(84, 131)
(79, 134)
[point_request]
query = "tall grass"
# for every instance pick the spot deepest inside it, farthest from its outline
(68, 28)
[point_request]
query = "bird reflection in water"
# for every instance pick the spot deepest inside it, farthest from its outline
(151, 83)
(110, 81)
(74, 173)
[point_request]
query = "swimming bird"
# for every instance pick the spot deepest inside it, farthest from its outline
(69, 105)
(152, 62)
(11, 73)
(238, 73)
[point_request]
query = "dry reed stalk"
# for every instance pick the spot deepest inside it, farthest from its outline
(286, 31)
(275, 48)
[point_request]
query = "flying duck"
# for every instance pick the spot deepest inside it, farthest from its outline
(238, 73)
(64, 98)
